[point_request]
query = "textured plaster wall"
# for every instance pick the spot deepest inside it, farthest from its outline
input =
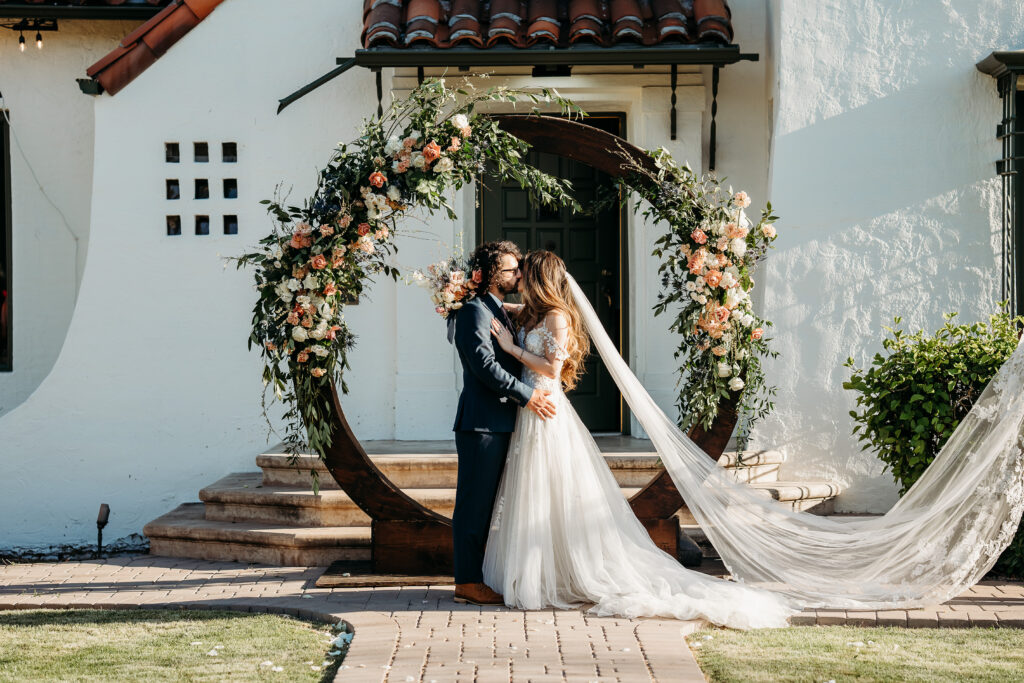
(51, 186)
(883, 174)
(154, 394)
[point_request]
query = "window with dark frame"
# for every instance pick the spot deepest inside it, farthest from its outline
(172, 152)
(229, 152)
(230, 188)
(230, 225)
(201, 152)
(174, 225)
(6, 314)
(202, 225)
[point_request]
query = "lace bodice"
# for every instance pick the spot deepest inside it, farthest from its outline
(541, 342)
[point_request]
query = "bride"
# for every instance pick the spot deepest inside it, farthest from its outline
(562, 534)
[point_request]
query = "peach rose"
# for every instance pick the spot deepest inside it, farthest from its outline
(741, 199)
(300, 241)
(409, 142)
(769, 231)
(377, 179)
(713, 278)
(456, 144)
(330, 289)
(318, 372)
(719, 350)
(363, 229)
(345, 221)
(383, 233)
(699, 236)
(757, 333)
(695, 264)
(402, 167)
(734, 231)
(326, 230)
(318, 262)
(303, 356)
(307, 321)
(722, 244)
(431, 152)
(722, 314)
(293, 318)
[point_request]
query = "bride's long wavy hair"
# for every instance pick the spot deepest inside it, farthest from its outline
(546, 289)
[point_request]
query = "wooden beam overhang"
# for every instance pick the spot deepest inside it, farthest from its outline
(113, 12)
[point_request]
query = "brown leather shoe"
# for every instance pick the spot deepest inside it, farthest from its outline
(477, 594)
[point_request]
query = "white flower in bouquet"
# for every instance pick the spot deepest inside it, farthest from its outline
(444, 165)
(735, 384)
(743, 220)
(738, 246)
(310, 282)
(460, 121)
(294, 285)
(283, 292)
(734, 297)
(728, 280)
(457, 277)
(747, 320)
(417, 160)
(701, 299)
(278, 253)
(319, 332)
(320, 351)
(724, 369)
(299, 333)
(393, 145)
(394, 194)
(456, 306)
(691, 286)
(436, 298)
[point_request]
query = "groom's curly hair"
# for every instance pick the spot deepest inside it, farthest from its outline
(487, 259)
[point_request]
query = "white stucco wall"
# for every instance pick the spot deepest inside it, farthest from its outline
(883, 175)
(154, 394)
(51, 186)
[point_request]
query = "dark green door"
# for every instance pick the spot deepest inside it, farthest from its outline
(589, 245)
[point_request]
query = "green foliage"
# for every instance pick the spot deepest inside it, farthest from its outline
(912, 398)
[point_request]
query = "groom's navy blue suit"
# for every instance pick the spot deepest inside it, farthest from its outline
(486, 417)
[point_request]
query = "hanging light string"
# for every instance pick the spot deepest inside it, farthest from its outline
(42, 190)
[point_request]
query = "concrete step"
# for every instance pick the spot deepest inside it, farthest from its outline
(434, 464)
(242, 497)
(185, 532)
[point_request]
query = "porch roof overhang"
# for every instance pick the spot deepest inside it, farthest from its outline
(126, 11)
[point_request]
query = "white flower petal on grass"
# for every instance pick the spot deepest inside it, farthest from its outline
(277, 668)
(267, 663)
(212, 653)
(218, 647)
(197, 642)
(856, 644)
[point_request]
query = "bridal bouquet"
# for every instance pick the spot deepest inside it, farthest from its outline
(450, 282)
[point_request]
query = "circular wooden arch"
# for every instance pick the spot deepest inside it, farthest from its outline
(406, 534)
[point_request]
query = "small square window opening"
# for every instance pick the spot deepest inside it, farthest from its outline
(202, 152)
(230, 225)
(202, 188)
(202, 225)
(230, 188)
(229, 152)
(174, 225)
(172, 152)
(173, 189)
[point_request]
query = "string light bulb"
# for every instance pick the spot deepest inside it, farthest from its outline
(21, 42)
(39, 40)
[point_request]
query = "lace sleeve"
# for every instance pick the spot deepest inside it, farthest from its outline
(554, 341)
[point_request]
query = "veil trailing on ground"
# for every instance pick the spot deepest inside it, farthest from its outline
(940, 538)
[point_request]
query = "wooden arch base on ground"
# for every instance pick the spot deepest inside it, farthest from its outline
(408, 538)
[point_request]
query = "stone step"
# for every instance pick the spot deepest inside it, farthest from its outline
(185, 532)
(815, 497)
(243, 497)
(434, 464)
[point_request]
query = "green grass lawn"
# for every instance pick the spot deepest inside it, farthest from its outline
(147, 645)
(846, 653)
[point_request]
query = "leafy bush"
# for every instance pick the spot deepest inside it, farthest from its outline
(913, 398)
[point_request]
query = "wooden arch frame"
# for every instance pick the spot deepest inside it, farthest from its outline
(407, 537)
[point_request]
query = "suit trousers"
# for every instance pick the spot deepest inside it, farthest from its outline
(481, 462)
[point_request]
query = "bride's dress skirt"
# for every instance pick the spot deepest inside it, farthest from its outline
(562, 535)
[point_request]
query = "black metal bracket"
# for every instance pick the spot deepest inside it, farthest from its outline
(672, 122)
(714, 112)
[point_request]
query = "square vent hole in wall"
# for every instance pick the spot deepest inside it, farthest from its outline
(202, 225)
(174, 225)
(202, 188)
(173, 189)
(230, 225)
(229, 152)
(200, 152)
(230, 188)
(172, 152)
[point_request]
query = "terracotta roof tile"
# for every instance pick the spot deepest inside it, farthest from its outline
(148, 42)
(560, 23)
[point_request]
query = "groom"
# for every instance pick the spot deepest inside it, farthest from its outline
(486, 417)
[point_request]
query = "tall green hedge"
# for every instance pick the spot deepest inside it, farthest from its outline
(913, 396)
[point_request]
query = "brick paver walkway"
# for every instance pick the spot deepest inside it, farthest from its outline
(420, 634)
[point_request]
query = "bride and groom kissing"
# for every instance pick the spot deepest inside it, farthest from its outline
(539, 519)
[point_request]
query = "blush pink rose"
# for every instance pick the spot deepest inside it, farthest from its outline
(377, 179)
(326, 230)
(318, 372)
(722, 314)
(713, 278)
(431, 152)
(699, 236)
(293, 318)
(719, 351)
(318, 262)
(303, 356)
(363, 229)
(768, 231)
(329, 289)
(757, 333)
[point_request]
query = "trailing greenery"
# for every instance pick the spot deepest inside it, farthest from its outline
(912, 398)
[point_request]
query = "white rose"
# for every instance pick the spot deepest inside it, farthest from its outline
(394, 144)
(727, 280)
(735, 384)
(299, 333)
(418, 160)
(460, 121)
(302, 300)
(294, 285)
(748, 320)
(741, 353)
(724, 370)
(443, 165)
(702, 299)
(733, 298)
(318, 332)
(320, 351)
(695, 297)
(310, 282)
(394, 194)
(738, 246)
(691, 286)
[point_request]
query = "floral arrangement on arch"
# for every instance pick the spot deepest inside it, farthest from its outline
(708, 256)
(322, 255)
(451, 283)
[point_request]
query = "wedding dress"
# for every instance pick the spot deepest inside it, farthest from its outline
(562, 532)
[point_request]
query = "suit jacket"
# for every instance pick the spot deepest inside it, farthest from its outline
(491, 389)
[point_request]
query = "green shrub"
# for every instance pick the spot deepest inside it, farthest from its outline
(912, 398)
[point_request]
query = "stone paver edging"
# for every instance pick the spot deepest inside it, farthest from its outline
(419, 634)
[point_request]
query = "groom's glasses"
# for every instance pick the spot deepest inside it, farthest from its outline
(509, 270)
